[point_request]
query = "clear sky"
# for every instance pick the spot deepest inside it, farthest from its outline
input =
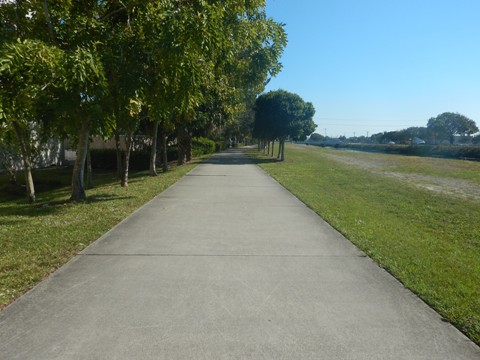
(370, 66)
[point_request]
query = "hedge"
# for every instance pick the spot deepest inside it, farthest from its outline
(202, 146)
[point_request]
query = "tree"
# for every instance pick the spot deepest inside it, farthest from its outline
(280, 114)
(82, 112)
(206, 59)
(166, 59)
(451, 124)
(28, 71)
(316, 138)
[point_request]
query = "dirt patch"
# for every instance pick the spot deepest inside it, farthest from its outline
(445, 185)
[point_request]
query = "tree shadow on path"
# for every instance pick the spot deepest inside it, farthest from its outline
(237, 157)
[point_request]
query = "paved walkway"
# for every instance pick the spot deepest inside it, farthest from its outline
(225, 264)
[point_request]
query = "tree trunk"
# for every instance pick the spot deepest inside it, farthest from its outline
(163, 139)
(182, 151)
(268, 147)
(153, 151)
(188, 147)
(280, 142)
(119, 155)
(128, 149)
(283, 150)
(89, 169)
(273, 147)
(27, 164)
(78, 189)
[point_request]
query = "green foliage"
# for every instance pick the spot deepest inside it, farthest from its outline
(107, 65)
(281, 114)
(316, 137)
(29, 70)
(450, 124)
(203, 146)
(401, 136)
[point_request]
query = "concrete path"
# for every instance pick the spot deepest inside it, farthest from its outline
(225, 264)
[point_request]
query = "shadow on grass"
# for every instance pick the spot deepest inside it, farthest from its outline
(51, 207)
(27, 210)
(105, 197)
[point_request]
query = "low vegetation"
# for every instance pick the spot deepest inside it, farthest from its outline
(37, 239)
(391, 206)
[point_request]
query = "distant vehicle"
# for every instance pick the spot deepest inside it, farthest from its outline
(418, 141)
(391, 142)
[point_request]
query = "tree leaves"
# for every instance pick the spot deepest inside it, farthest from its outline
(281, 114)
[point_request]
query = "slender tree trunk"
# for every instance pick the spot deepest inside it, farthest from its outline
(164, 153)
(268, 147)
(163, 144)
(273, 147)
(188, 147)
(78, 189)
(128, 149)
(283, 150)
(89, 184)
(280, 142)
(153, 151)
(27, 164)
(181, 134)
(118, 149)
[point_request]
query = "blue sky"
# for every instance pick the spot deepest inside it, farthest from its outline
(370, 66)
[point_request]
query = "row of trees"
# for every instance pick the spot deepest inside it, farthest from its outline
(443, 127)
(280, 115)
(73, 69)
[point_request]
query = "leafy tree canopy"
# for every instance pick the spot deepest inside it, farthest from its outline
(281, 114)
(451, 124)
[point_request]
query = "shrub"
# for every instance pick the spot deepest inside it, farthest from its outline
(202, 146)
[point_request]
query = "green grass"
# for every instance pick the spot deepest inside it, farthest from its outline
(429, 240)
(37, 239)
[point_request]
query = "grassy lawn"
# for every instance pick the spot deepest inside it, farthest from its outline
(429, 240)
(37, 239)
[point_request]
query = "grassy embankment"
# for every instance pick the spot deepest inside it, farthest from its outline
(428, 239)
(37, 239)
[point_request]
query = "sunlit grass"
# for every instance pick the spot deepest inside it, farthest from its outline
(438, 167)
(428, 240)
(37, 239)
